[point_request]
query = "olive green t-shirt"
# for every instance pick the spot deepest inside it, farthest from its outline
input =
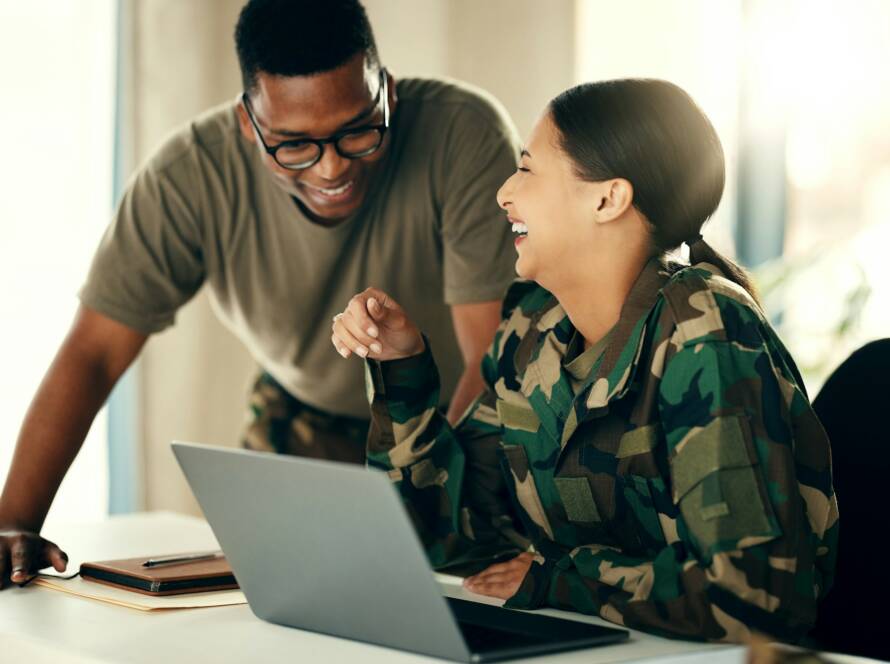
(205, 210)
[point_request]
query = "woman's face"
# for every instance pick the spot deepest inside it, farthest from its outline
(552, 210)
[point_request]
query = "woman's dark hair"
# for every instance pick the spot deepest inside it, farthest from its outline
(651, 133)
(300, 37)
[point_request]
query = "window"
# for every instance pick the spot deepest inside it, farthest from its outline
(807, 81)
(58, 119)
(829, 76)
(693, 43)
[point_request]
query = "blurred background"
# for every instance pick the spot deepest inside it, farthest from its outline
(795, 89)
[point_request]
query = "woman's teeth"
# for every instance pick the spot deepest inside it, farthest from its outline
(520, 228)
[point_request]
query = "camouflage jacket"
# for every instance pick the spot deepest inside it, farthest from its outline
(685, 489)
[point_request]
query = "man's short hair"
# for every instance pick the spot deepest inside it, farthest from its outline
(300, 37)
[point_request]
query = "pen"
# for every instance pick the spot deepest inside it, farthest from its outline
(169, 560)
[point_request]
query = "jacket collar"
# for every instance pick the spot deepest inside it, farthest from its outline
(547, 384)
(612, 377)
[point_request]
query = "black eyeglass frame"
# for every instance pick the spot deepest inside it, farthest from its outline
(382, 91)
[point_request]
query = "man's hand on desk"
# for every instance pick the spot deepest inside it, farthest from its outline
(23, 553)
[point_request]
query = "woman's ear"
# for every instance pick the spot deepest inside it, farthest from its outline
(613, 198)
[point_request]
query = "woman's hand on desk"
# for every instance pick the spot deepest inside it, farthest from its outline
(501, 580)
(23, 553)
(374, 325)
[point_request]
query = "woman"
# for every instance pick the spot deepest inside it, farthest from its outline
(645, 442)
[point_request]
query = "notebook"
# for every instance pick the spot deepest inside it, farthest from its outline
(195, 576)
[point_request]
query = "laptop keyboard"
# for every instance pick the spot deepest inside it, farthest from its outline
(490, 629)
(486, 628)
(487, 639)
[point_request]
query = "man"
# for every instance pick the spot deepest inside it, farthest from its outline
(324, 177)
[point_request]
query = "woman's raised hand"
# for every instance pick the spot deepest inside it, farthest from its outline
(374, 325)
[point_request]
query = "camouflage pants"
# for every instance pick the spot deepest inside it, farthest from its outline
(281, 423)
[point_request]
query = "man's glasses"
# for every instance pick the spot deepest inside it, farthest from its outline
(352, 143)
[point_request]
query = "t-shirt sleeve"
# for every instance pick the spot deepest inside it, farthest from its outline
(150, 260)
(478, 254)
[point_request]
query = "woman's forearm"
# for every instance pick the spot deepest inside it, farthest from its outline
(449, 477)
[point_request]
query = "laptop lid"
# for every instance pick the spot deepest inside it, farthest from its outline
(322, 546)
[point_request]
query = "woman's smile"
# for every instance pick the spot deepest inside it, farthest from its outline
(520, 228)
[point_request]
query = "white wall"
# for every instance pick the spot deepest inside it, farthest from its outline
(411, 35)
(194, 377)
(522, 51)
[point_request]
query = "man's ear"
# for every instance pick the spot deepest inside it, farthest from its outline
(244, 123)
(613, 198)
(393, 93)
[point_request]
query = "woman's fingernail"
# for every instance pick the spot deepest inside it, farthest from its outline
(362, 351)
(376, 348)
(343, 352)
(372, 332)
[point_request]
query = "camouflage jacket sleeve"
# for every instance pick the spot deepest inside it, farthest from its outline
(449, 478)
(752, 541)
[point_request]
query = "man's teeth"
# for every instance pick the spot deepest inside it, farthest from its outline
(520, 228)
(337, 191)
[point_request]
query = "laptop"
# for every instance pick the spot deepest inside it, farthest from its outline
(329, 547)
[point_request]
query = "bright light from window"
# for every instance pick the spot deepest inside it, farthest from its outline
(821, 69)
(58, 122)
(693, 43)
(815, 73)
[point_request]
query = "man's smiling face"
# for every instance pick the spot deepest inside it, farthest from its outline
(288, 108)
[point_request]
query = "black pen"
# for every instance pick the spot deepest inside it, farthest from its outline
(169, 560)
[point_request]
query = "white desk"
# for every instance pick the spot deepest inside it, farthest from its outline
(41, 625)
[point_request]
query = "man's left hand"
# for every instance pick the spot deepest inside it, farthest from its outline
(501, 580)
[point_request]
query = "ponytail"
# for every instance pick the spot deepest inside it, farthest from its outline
(701, 252)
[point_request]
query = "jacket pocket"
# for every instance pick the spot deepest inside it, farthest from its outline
(643, 500)
(718, 486)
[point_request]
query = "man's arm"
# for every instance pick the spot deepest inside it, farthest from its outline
(474, 326)
(478, 257)
(94, 354)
